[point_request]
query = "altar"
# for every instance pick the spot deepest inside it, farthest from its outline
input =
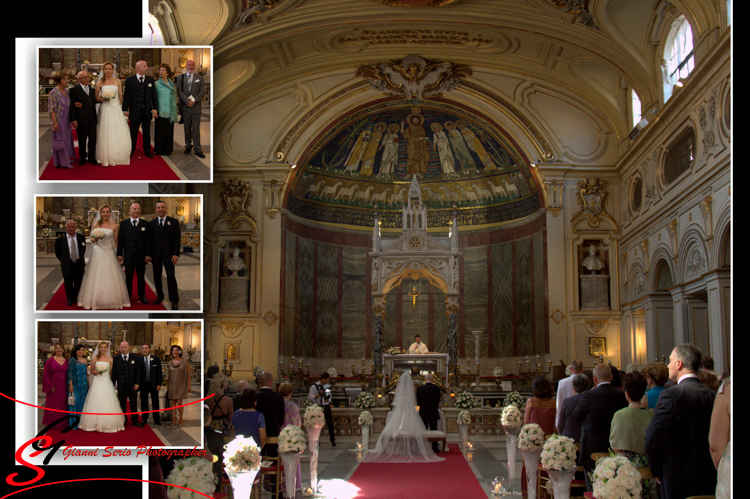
(435, 362)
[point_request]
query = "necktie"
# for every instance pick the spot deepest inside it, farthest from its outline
(86, 89)
(73, 253)
(190, 80)
(161, 224)
(127, 374)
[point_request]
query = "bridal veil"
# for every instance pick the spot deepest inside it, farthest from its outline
(403, 439)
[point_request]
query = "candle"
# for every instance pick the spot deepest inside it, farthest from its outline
(359, 446)
(497, 487)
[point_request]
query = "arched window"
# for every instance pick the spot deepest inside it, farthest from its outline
(635, 107)
(678, 54)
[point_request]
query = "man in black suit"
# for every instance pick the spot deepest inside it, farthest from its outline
(140, 104)
(126, 375)
(594, 413)
(165, 251)
(428, 399)
(677, 445)
(83, 118)
(134, 249)
(271, 405)
(150, 383)
(70, 250)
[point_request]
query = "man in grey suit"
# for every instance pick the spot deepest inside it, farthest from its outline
(191, 89)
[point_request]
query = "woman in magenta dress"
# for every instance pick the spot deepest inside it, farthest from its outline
(541, 408)
(59, 115)
(54, 384)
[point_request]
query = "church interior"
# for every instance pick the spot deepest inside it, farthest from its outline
(521, 183)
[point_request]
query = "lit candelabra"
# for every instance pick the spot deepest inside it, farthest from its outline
(159, 351)
(465, 380)
(529, 375)
(228, 368)
(191, 351)
(298, 377)
(363, 374)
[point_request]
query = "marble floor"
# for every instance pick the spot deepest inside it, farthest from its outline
(337, 464)
(187, 273)
(185, 166)
(190, 434)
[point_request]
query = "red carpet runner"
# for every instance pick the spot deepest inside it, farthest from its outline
(60, 301)
(131, 436)
(140, 168)
(451, 478)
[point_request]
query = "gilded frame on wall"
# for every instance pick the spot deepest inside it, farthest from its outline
(597, 346)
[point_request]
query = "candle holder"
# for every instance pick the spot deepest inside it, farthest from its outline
(529, 375)
(228, 368)
(191, 351)
(467, 380)
(363, 375)
(297, 377)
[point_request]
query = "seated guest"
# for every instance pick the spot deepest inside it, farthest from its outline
(249, 422)
(566, 425)
(628, 431)
(291, 417)
(656, 374)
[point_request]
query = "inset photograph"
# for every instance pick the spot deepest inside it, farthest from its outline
(107, 369)
(127, 114)
(135, 253)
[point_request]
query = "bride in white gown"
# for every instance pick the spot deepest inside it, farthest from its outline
(101, 397)
(403, 439)
(113, 141)
(103, 285)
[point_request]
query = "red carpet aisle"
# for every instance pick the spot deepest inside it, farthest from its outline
(60, 302)
(140, 168)
(451, 478)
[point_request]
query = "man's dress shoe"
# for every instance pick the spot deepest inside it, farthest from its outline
(70, 303)
(82, 162)
(144, 301)
(95, 163)
(149, 155)
(187, 150)
(174, 306)
(200, 154)
(139, 424)
(158, 301)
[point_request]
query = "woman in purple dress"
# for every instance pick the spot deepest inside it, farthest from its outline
(54, 384)
(59, 114)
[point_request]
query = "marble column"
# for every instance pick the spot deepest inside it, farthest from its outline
(719, 288)
(378, 309)
(476, 353)
(451, 312)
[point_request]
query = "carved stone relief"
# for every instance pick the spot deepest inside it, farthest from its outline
(696, 262)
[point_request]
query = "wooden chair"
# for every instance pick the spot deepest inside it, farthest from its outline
(276, 469)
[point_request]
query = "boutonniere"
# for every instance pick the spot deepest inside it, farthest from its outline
(149, 84)
(132, 362)
(169, 223)
(197, 81)
(83, 244)
(143, 229)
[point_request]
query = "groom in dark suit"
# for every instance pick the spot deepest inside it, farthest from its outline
(140, 105)
(165, 252)
(428, 399)
(134, 250)
(126, 375)
(70, 250)
(83, 118)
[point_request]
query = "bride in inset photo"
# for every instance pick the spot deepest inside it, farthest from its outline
(103, 285)
(112, 130)
(101, 397)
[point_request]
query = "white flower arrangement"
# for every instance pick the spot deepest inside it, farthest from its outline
(332, 372)
(465, 400)
(498, 371)
(193, 473)
(314, 416)
(292, 439)
(364, 400)
(47, 232)
(242, 454)
(531, 437)
(98, 234)
(365, 418)
(464, 417)
(559, 453)
(511, 416)
(514, 398)
(616, 478)
(257, 371)
(569, 370)
(393, 351)
(631, 368)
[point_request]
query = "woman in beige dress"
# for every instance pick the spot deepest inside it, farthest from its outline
(178, 380)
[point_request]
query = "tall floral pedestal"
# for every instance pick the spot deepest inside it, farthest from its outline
(365, 436)
(511, 444)
(313, 435)
(531, 460)
(561, 480)
(463, 433)
(242, 483)
(291, 460)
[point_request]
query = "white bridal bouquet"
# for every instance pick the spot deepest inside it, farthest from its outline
(364, 418)
(615, 477)
(332, 372)
(364, 400)
(559, 453)
(292, 439)
(98, 234)
(531, 437)
(194, 473)
(108, 94)
(498, 371)
(465, 400)
(242, 454)
(314, 416)
(464, 417)
(102, 367)
(257, 371)
(514, 398)
(511, 416)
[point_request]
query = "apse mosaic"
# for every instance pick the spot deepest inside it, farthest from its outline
(365, 163)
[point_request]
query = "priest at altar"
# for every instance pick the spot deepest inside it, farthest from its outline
(418, 346)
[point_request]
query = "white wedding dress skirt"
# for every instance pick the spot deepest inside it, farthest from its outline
(113, 140)
(101, 398)
(403, 439)
(103, 285)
